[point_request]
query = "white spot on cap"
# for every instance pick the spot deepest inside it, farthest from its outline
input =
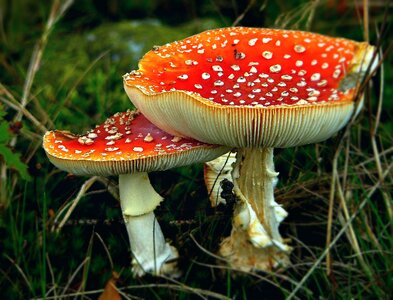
(252, 42)
(313, 98)
(299, 49)
(253, 70)
(138, 149)
(299, 63)
(322, 83)
(148, 138)
(85, 140)
(218, 83)
(111, 149)
(302, 102)
(302, 72)
(275, 68)
(198, 86)
(315, 77)
(266, 40)
(336, 74)
(267, 54)
(183, 77)
(235, 67)
(205, 75)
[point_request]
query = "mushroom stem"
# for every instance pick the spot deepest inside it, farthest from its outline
(257, 216)
(151, 253)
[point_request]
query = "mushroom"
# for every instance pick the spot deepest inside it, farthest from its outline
(253, 89)
(216, 172)
(129, 146)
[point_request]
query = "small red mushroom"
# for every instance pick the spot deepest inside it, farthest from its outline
(252, 89)
(129, 146)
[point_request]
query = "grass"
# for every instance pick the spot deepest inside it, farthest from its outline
(61, 235)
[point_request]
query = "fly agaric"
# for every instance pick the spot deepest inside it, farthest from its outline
(252, 89)
(215, 171)
(129, 146)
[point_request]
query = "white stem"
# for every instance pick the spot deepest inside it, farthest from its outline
(257, 216)
(152, 254)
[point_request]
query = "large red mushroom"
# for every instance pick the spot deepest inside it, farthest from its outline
(128, 145)
(254, 90)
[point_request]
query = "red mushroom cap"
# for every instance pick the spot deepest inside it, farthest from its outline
(247, 80)
(244, 66)
(126, 142)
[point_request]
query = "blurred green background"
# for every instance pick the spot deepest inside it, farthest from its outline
(61, 66)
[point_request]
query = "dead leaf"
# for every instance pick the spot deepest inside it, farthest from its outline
(110, 292)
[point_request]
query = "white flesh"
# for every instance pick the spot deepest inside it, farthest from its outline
(255, 241)
(151, 253)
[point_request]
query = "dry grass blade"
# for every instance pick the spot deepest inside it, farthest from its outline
(340, 233)
(20, 271)
(72, 277)
(106, 250)
(57, 11)
(204, 294)
(334, 179)
(82, 191)
(243, 14)
(52, 276)
(14, 104)
(265, 278)
(183, 288)
(206, 251)
(351, 232)
(297, 16)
